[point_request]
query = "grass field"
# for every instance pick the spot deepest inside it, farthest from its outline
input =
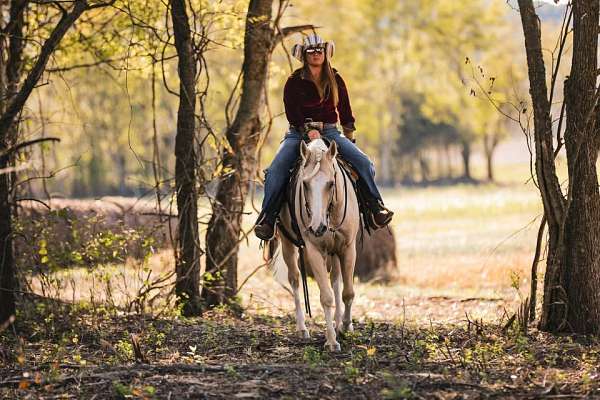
(467, 247)
(453, 244)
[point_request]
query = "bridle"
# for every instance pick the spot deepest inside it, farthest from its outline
(333, 196)
(298, 241)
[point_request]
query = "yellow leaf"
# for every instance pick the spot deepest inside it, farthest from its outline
(371, 351)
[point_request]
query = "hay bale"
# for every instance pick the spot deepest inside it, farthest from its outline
(376, 257)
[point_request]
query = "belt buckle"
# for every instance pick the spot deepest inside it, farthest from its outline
(318, 125)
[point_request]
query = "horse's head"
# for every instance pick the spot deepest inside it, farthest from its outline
(318, 182)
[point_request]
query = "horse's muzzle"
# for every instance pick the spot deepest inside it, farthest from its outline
(320, 230)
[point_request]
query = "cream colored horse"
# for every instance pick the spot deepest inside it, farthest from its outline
(328, 217)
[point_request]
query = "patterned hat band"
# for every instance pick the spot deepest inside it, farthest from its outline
(312, 41)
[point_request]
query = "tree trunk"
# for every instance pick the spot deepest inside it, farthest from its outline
(423, 168)
(122, 168)
(466, 156)
(7, 265)
(439, 161)
(582, 225)
(11, 76)
(490, 142)
(448, 160)
(188, 254)
(11, 106)
(572, 280)
(552, 198)
(224, 228)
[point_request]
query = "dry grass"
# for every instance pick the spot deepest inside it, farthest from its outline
(464, 255)
(454, 243)
(458, 244)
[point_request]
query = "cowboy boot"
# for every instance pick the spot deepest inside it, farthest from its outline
(264, 228)
(381, 215)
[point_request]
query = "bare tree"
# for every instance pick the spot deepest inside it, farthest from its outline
(572, 280)
(188, 251)
(240, 157)
(11, 104)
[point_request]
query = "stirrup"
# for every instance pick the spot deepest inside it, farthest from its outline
(386, 211)
(261, 234)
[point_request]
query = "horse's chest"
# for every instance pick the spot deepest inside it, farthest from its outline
(331, 242)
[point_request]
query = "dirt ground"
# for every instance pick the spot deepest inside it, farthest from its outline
(82, 353)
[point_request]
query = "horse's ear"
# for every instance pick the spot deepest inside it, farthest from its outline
(303, 149)
(332, 151)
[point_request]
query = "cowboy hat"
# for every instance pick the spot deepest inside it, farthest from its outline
(312, 41)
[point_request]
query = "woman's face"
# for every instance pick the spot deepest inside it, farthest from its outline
(315, 56)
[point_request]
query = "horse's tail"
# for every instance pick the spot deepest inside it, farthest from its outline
(275, 262)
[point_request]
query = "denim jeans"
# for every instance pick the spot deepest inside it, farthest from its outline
(278, 173)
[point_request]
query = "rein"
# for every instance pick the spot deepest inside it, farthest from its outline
(298, 241)
(345, 197)
(330, 205)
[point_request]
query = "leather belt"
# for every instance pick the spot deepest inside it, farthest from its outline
(326, 125)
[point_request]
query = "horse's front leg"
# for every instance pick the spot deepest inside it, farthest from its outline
(348, 259)
(336, 283)
(319, 269)
(290, 256)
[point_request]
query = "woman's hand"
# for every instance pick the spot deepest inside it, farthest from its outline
(349, 135)
(313, 134)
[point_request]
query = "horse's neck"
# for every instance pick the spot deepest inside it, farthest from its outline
(339, 185)
(298, 198)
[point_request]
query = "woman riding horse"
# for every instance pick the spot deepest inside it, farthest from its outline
(314, 95)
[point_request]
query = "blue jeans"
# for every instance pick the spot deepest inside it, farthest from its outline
(278, 173)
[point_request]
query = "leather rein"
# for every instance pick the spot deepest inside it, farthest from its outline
(334, 195)
(298, 241)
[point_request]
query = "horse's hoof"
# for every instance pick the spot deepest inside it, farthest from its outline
(333, 347)
(349, 327)
(303, 333)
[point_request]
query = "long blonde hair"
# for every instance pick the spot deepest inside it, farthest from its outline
(327, 84)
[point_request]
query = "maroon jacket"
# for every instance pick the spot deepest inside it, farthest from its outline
(301, 99)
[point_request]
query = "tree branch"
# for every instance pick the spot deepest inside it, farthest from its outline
(552, 197)
(17, 103)
(8, 152)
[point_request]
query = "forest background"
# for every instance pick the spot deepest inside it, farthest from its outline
(419, 76)
(440, 91)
